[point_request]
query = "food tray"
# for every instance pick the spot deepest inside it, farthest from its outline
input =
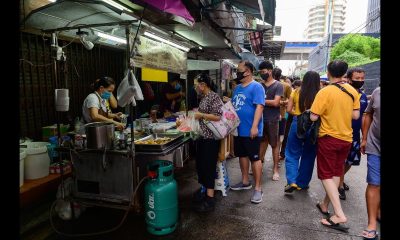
(157, 147)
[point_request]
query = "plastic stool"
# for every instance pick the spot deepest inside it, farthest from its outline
(222, 179)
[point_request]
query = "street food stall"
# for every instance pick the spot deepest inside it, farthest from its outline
(108, 165)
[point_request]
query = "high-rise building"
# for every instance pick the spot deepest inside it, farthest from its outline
(373, 17)
(318, 17)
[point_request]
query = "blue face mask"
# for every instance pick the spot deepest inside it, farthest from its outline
(106, 95)
(178, 87)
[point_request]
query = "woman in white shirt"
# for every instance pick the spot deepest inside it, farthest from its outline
(94, 107)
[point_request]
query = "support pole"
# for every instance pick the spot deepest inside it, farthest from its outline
(329, 42)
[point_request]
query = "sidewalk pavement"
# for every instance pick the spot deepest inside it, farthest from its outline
(279, 216)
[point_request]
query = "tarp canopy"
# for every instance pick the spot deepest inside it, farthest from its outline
(202, 65)
(174, 7)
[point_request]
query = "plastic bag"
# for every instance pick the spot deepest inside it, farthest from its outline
(63, 206)
(129, 90)
(228, 123)
(190, 124)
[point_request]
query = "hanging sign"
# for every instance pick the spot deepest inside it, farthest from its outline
(159, 55)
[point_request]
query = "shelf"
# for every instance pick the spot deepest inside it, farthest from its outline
(33, 190)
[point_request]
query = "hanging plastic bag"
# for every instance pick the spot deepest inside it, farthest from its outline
(228, 123)
(129, 90)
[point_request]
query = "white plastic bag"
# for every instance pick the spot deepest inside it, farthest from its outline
(228, 123)
(129, 92)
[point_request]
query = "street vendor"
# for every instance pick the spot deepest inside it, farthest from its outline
(94, 107)
(172, 96)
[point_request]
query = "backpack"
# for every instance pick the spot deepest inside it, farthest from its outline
(304, 124)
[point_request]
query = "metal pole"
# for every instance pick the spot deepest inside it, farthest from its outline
(329, 34)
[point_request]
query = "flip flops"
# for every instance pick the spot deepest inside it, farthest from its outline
(366, 234)
(336, 226)
(324, 213)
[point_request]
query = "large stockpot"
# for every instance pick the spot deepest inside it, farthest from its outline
(99, 135)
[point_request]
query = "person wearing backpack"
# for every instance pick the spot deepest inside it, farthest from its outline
(299, 173)
(336, 105)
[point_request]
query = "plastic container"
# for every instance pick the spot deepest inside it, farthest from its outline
(22, 156)
(37, 161)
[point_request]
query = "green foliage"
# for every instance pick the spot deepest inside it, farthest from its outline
(357, 49)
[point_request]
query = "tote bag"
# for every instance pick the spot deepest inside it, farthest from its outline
(228, 123)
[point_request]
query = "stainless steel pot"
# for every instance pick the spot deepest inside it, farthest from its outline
(99, 135)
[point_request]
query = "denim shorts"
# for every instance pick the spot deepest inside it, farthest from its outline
(374, 169)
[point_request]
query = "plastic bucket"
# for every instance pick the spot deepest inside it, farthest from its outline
(37, 161)
(22, 156)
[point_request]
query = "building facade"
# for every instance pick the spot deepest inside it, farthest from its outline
(318, 16)
(373, 17)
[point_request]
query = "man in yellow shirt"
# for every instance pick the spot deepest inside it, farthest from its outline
(336, 105)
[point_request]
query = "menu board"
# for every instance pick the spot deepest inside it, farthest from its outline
(159, 55)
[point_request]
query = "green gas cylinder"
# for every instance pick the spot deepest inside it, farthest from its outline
(161, 198)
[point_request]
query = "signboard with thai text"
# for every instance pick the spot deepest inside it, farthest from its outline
(158, 55)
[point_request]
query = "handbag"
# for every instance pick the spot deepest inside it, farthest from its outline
(228, 123)
(304, 124)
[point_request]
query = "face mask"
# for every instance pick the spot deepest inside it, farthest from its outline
(240, 75)
(106, 95)
(357, 84)
(178, 87)
(264, 76)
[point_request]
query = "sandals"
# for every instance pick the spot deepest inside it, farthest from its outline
(366, 234)
(327, 214)
(336, 226)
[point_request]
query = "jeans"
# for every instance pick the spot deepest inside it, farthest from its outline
(299, 171)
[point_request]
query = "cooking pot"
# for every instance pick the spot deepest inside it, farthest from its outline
(99, 135)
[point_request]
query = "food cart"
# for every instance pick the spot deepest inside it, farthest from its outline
(107, 176)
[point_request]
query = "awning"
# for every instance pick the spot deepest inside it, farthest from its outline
(254, 8)
(273, 49)
(174, 7)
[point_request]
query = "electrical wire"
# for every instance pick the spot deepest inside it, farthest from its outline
(95, 233)
(73, 39)
(35, 65)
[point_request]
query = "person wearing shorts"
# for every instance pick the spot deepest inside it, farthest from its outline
(248, 100)
(371, 145)
(336, 105)
(271, 114)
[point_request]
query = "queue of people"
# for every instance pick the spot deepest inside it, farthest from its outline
(317, 121)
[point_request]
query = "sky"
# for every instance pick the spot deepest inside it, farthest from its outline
(292, 16)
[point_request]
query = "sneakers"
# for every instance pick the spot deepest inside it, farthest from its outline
(342, 193)
(290, 188)
(346, 187)
(241, 186)
(257, 196)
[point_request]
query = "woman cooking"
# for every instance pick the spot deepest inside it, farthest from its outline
(207, 147)
(94, 107)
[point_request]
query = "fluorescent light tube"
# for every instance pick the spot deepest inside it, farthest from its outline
(111, 37)
(117, 5)
(149, 34)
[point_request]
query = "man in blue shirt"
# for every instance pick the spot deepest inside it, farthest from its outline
(356, 77)
(249, 99)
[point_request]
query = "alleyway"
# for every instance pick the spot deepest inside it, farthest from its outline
(279, 216)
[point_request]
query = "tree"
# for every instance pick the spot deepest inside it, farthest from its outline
(357, 48)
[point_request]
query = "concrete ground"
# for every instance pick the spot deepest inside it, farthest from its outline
(279, 216)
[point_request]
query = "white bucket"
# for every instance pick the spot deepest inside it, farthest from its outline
(22, 156)
(37, 162)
